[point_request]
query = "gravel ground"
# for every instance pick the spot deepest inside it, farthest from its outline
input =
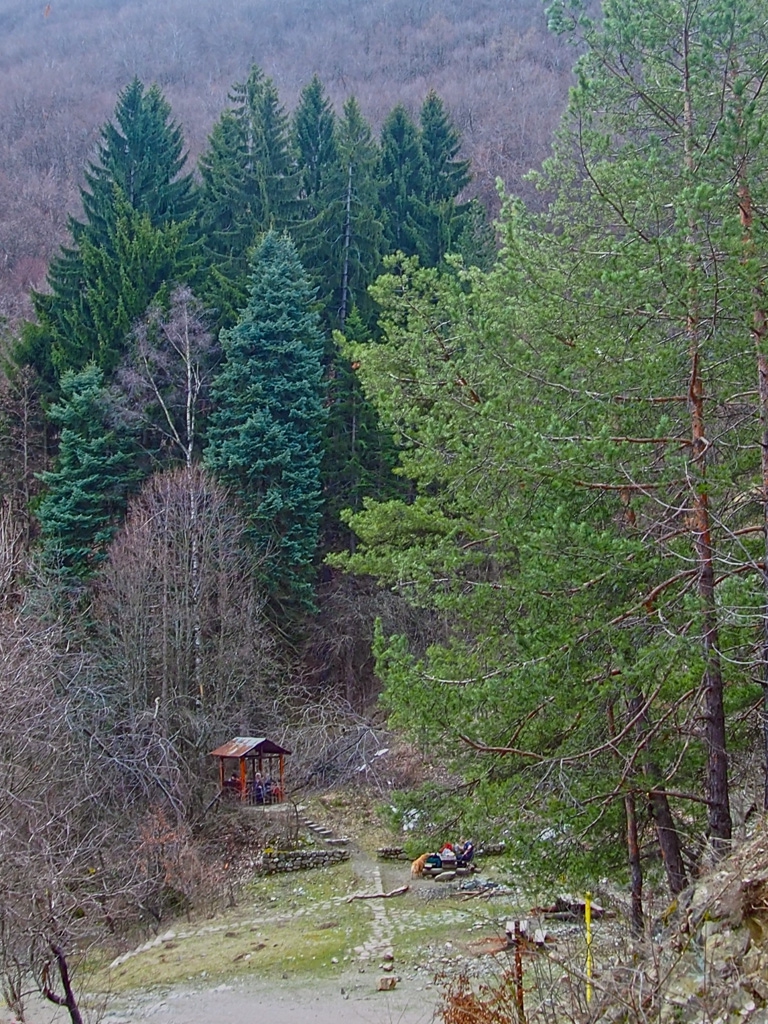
(352, 1000)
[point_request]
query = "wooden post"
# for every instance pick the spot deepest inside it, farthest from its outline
(243, 780)
(282, 771)
(221, 774)
(519, 993)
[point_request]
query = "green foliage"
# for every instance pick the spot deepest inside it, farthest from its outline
(506, 542)
(314, 141)
(134, 241)
(264, 439)
(564, 470)
(341, 243)
(121, 278)
(403, 172)
(445, 178)
(359, 456)
(87, 490)
(249, 186)
(142, 153)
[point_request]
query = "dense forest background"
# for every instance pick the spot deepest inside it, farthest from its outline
(503, 78)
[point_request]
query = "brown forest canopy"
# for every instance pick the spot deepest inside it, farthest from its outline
(502, 76)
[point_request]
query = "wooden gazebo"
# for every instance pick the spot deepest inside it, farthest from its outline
(253, 764)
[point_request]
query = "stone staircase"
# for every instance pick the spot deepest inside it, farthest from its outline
(322, 831)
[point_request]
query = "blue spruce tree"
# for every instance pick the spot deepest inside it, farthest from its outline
(265, 436)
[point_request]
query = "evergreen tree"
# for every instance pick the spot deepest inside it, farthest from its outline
(87, 490)
(120, 280)
(359, 455)
(589, 516)
(142, 152)
(265, 437)
(445, 176)
(341, 245)
(314, 142)
(403, 173)
(444, 179)
(249, 186)
(135, 189)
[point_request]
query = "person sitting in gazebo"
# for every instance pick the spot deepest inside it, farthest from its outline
(258, 789)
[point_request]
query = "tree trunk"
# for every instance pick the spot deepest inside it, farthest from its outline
(719, 814)
(635, 867)
(68, 999)
(666, 831)
(669, 842)
(759, 332)
(343, 309)
(633, 847)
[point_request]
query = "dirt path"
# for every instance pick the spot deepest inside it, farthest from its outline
(354, 1001)
(299, 953)
(249, 1001)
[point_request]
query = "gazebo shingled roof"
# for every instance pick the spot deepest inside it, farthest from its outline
(254, 749)
(248, 746)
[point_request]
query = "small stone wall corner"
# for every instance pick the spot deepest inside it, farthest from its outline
(278, 861)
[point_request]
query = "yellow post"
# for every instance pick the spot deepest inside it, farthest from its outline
(588, 923)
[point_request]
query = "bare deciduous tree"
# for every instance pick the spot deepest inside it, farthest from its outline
(191, 657)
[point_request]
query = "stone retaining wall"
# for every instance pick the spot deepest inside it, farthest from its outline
(300, 860)
(392, 853)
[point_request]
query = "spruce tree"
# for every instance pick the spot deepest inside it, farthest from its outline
(249, 186)
(86, 491)
(445, 176)
(359, 455)
(403, 185)
(447, 221)
(314, 143)
(265, 437)
(141, 151)
(136, 180)
(120, 280)
(341, 245)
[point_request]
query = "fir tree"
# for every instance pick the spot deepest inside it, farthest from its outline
(341, 245)
(359, 455)
(142, 152)
(249, 186)
(120, 280)
(403, 185)
(87, 489)
(136, 180)
(264, 439)
(444, 176)
(444, 179)
(314, 142)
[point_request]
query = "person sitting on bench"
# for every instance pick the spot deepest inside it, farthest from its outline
(465, 854)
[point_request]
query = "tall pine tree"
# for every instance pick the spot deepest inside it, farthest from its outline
(134, 188)
(265, 437)
(403, 172)
(249, 186)
(87, 489)
(445, 177)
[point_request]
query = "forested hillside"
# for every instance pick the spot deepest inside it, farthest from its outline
(503, 78)
(290, 426)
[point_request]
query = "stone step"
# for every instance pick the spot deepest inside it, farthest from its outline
(319, 830)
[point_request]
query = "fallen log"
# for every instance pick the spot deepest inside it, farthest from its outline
(379, 895)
